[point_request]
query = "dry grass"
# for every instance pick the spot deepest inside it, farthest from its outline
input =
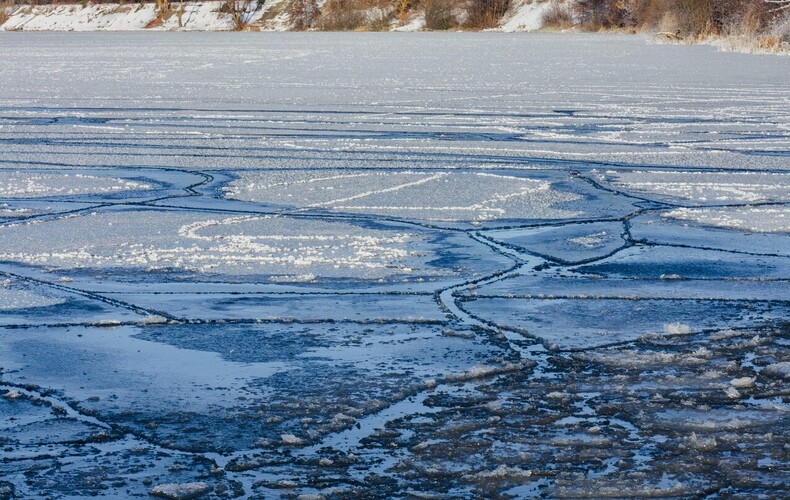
(439, 14)
(5, 8)
(302, 13)
(379, 19)
(358, 15)
(558, 16)
(483, 14)
(154, 23)
(341, 15)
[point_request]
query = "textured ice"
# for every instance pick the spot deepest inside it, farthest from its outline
(673, 263)
(473, 265)
(160, 240)
(12, 298)
(27, 302)
(584, 323)
(36, 185)
(432, 196)
(751, 219)
(701, 231)
(703, 188)
(308, 305)
(569, 243)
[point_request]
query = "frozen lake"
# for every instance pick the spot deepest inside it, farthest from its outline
(392, 265)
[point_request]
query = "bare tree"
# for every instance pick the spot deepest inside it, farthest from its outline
(241, 12)
(303, 13)
(778, 5)
(162, 8)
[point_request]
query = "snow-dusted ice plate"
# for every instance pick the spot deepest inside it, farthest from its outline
(742, 231)
(427, 265)
(488, 197)
(678, 263)
(294, 306)
(567, 243)
(146, 243)
(701, 188)
(91, 185)
(39, 185)
(431, 196)
(589, 323)
(24, 303)
(768, 219)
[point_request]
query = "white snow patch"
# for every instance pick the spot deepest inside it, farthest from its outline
(180, 491)
(501, 473)
(677, 329)
(525, 15)
(15, 299)
(742, 382)
(590, 241)
(31, 185)
(416, 23)
(488, 370)
(705, 187)
(12, 394)
(195, 16)
(232, 245)
(437, 196)
(291, 440)
(752, 219)
(778, 369)
(732, 392)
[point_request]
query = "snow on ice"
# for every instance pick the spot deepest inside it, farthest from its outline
(379, 265)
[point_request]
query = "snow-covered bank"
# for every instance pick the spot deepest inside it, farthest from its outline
(190, 16)
(272, 15)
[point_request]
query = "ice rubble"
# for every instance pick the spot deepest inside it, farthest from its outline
(781, 369)
(180, 491)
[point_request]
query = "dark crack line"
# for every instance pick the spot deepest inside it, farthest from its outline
(623, 297)
(647, 243)
(89, 295)
(229, 321)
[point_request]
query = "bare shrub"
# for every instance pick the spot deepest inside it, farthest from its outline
(780, 26)
(685, 17)
(649, 14)
(439, 14)
(403, 8)
(303, 14)
(240, 12)
(598, 14)
(379, 19)
(486, 13)
(5, 8)
(341, 15)
(746, 18)
(163, 10)
(558, 15)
